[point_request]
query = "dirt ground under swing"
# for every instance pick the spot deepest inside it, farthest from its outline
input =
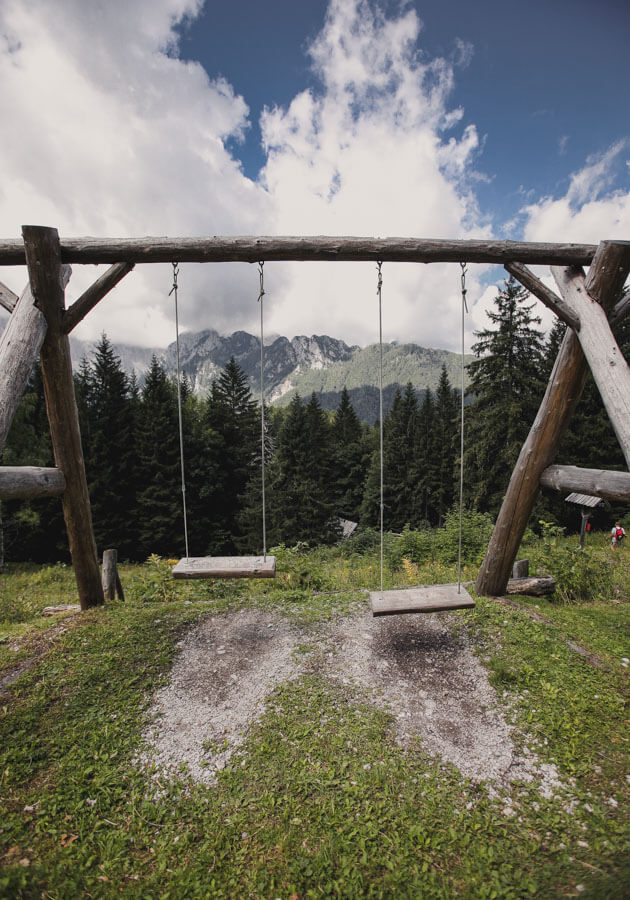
(420, 668)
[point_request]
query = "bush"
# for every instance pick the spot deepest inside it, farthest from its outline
(415, 546)
(582, 576)
(476, 531)
(155, 582)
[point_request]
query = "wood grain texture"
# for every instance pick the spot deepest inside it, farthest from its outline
(30, 482)
(7, 298)
(252, 249)
(429, 598)
(606, 277)
(20, 344)
(534, 585)
(46, 278)
(607, 484)
(608, 366)
(536, 287)
(226, 567)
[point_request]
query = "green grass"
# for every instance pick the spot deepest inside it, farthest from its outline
(320, 801)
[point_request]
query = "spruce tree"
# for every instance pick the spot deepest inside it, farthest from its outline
(159, 505)
(301, 498)
(234, 420)
(349, 461)
(111, 464)
(445, 446)
(400, 470)
(506, 387)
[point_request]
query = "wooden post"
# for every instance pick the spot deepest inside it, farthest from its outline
(19, 348)
(608, 366)
(44, 267)
(7, 298)
(605, 281)
(111, 581)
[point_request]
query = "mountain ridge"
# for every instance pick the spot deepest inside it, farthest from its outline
(302, 364)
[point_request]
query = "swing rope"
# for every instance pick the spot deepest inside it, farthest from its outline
(461, 434)
(461, 445)
(179, 406)
(261, 294)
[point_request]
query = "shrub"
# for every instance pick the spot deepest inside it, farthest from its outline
(476, 531)
(582, 575)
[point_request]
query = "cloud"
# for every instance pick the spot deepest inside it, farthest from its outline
(112, 135)
(592, 209)
(371, 152)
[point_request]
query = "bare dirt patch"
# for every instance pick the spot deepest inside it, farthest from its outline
(419, 668)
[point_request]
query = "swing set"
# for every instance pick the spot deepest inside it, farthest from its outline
(588, 302)
(422, 599)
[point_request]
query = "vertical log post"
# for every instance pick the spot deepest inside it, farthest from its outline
(605, 280)
(111, 581)
(44, 268)
(20, 345)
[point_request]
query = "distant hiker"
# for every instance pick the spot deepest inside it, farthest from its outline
(617, 534)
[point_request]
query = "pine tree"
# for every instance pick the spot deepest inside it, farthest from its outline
(233, 417)
(301, 500)
(349, 462)
(506, 387)
(445, 446)
(426, 464)
(400, 472)
(159, 492)
(111, 463)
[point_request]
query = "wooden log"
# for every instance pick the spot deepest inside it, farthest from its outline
(29, 482)
(7, 298)
(110, 579)
(253, 249)
(520, 569)
(621, 310)
(536, 287)
(607, 484)
(62, 609)
(94, 294)
(20, 344)
(608, 366)
(605, 280)
(535, 586)
(44, 266)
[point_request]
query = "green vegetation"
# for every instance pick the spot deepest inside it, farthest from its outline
(320, 801)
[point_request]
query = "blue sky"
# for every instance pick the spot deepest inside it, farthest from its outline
(544, 82)
(434, 119)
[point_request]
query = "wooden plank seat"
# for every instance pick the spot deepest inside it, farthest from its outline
(226, 567)
(428, 598)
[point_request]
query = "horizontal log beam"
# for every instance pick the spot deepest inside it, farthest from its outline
(343, 249)
(7, 298)
(607, 484)
(93, 295)
(29, 482)
(536, 287)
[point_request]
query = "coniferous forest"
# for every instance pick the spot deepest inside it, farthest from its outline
(320, 467)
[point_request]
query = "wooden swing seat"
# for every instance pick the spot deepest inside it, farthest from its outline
(226, 567)
(429, 598)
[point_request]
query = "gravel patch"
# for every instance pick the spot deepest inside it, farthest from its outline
(419, 668)
(219, 683)
(426, 674)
